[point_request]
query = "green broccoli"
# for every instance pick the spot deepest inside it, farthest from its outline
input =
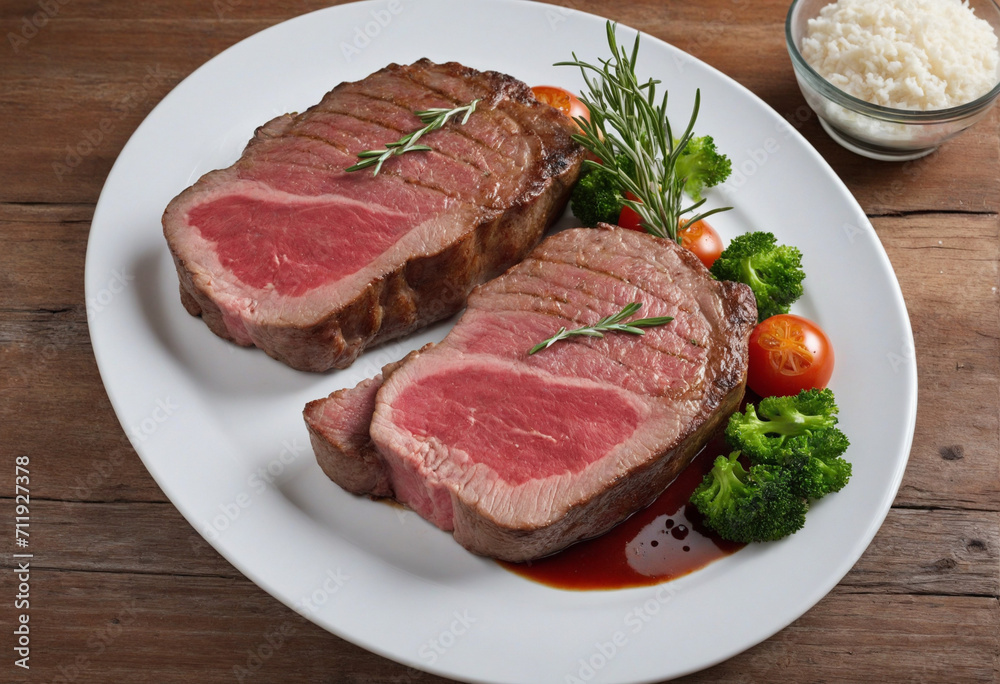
(702, 166)
(749, 505)
(815, 475)
(797, 433)
(597, 196)
(773, 272)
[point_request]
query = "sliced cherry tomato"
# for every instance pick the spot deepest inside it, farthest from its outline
(629, 218)
(788, 353)
(701, 239)
(563, 100)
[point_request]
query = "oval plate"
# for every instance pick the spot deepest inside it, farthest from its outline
(220, 427)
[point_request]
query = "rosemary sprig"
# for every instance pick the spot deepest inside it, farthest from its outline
(433, 118)
(626, 119)
(612, 323)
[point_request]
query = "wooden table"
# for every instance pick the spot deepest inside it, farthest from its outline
(124, 590)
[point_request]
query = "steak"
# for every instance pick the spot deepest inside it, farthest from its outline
(523, 455)
(287, 251)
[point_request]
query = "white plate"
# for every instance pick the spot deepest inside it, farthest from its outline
(220, 427)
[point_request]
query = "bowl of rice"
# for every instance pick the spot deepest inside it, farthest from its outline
(894, 79)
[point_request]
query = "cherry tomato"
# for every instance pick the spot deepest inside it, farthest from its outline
(629, 218)
(788, 353)
(701, 239)
(563, 100)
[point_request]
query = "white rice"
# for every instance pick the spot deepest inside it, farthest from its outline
(905, 54)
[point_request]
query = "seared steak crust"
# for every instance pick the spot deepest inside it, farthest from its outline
(447, 219)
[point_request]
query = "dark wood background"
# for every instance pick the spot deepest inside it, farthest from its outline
(122, 589)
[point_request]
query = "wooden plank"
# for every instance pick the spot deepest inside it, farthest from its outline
(849, 638)
(42, 253)
(163, 629)
(129, 537)
(947, 269)
(937, 552)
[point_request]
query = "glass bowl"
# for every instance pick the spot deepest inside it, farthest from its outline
(871, 130)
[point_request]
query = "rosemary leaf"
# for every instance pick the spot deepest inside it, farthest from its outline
(433, 119)
(626, 119)
(612, 323)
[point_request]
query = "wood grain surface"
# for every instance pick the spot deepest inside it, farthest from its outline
(124, 590)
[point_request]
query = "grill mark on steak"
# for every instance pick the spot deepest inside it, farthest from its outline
(637, 361)
(491, 105)
(440, 93)
(638, 262)
(494, 103)
(326, 141)
(506, 94)
(346, 150)
(404, 109)
(634, 379)
(265, 155)
(393, 165)
(388, 173)
(625, 280)
(458, 130)
(434, 136)
(590, 307)
(576, 282)
(571, 321)
(597, 304)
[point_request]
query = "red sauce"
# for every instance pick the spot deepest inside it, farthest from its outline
(662, 542)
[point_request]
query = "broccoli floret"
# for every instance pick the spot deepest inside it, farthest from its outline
(749, 505)
(816, 474)
(799, 434)
(702, 166)
(597, 196)
(760, 435)
(773, 272)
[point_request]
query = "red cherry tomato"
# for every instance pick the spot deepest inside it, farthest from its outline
(563, 100)
(701, 239)
(788, 353)
(629, 218)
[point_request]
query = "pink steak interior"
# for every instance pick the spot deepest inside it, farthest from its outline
(518, 424)
(296, 247)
